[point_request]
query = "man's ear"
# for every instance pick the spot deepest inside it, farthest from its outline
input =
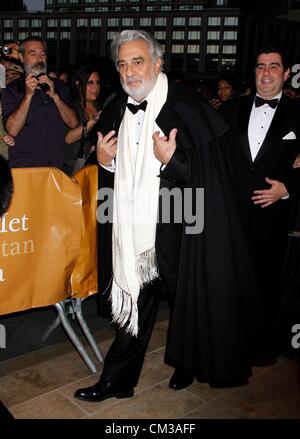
(157, 66)
(287, 74)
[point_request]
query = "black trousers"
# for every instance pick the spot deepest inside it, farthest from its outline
(124, 360)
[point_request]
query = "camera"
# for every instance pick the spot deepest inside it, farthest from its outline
(43, 86)
(5, 50)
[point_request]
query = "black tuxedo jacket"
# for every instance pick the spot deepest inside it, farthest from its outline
(274, 160)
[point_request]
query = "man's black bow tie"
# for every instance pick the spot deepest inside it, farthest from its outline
(135, 108)
(260, 101)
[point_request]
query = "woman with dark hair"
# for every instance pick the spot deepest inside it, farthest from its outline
(6, 185)
(227, 89)
(88, 106)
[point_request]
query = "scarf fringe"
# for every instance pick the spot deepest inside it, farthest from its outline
(146, 267)
(124, 310)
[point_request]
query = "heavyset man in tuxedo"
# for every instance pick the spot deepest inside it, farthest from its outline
(264, 141)
(154, 138)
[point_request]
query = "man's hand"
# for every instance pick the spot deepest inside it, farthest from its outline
(106, 148)
(9, 140)
(297, 162)
(44, 79)
(267, 197)
(14, 46)
(31, 84)
(163, 147)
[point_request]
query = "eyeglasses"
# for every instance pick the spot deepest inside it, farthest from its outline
(90, 82)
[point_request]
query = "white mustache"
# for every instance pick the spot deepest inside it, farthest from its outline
(132, 79)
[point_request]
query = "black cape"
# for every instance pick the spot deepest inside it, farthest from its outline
(6, 185)
(215, 310)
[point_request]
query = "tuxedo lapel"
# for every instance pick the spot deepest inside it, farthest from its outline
(275, 130)
(243, 122)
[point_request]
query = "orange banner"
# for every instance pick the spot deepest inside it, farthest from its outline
(84, 276)
(40, 239)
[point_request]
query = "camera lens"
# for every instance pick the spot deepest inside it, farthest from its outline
(44, 87)
(6, 50)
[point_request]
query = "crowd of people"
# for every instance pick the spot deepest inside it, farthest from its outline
(231, 154)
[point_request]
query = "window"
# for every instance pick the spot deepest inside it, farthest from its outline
(229, 62)
(23, 35)
(194, 35)
(195, 21)
(65, 22)
(229, 49)
(52, 22)
(49, 2)
(7, 23)
(8, 36)
(220, 2)
(36, 33)
(81, 22)
(36, 22)
(179, 21)
(177, 48)
(230, 35)
(51, 34)
(110, 35)
(212, 49)
(178, 35)
(95, 22)
(113, 22)
(127, 22)
(73, 1)
(213, 35)
(193, 48)
(160, 35)
(145, 21)
(231, 21)
(160, 21)
(23, 23)
(65, 35)
(214, 21)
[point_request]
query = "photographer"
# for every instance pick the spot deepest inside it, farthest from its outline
(36, 111)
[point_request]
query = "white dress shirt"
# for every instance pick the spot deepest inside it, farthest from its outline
(259, 123)
(138, 119)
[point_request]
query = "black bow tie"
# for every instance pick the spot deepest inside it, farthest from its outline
(135, 108)
(260, 101)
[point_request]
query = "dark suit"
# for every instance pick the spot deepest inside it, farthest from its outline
(266, 228)
(205, 274)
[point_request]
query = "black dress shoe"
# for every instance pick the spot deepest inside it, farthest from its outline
(181, 379)
(100, 391)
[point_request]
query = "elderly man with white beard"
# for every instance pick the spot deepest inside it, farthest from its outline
(36, 111)
(155, 138)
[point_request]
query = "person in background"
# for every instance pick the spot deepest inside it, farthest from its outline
(88, 106)
(227, 89)
(263, 143)
(36, 111)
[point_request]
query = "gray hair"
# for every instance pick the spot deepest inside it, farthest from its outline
(155, 48)
(33, 38)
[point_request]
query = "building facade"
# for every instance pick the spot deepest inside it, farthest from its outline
(200, 38)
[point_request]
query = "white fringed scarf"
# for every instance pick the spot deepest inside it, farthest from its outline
(135, 211)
